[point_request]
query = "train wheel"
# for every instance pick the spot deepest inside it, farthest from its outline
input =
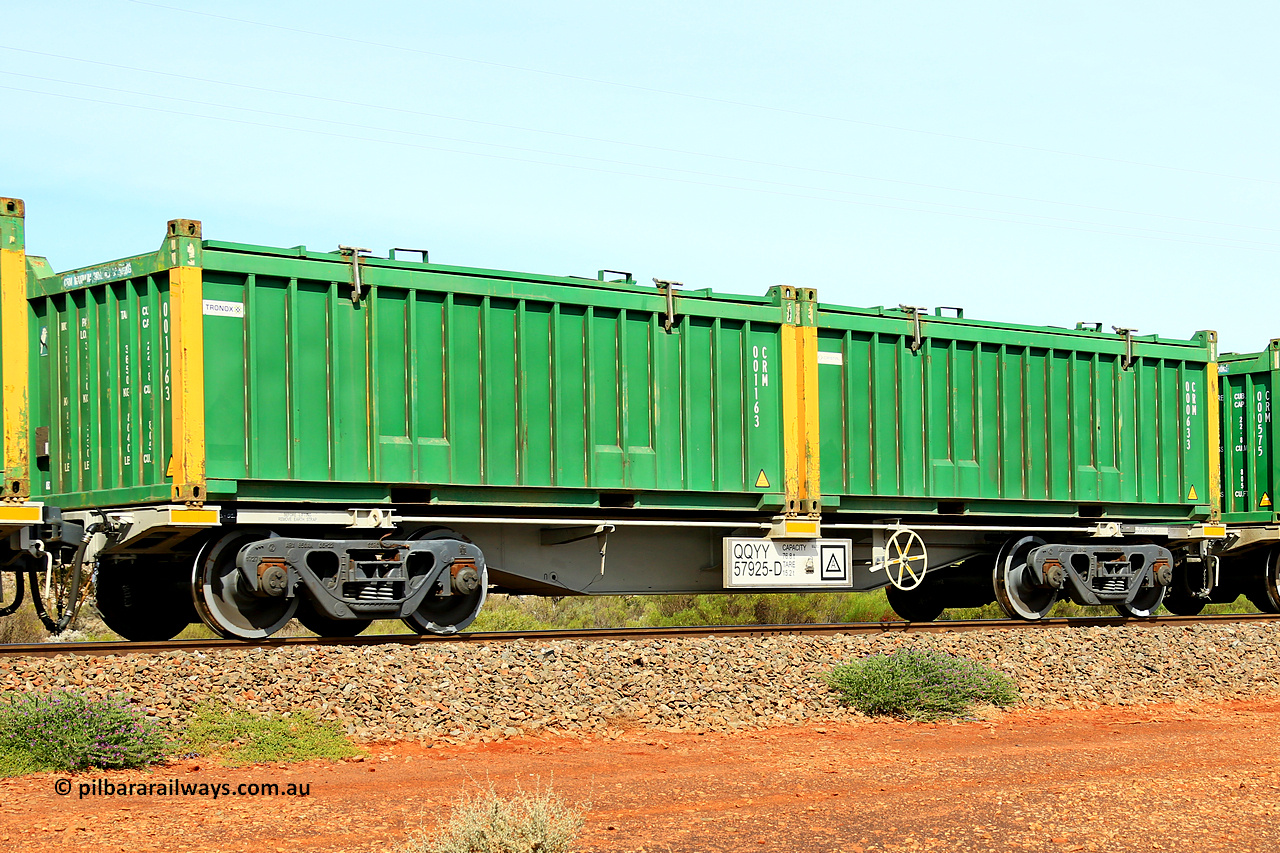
(447, 614)
(322, 626)
(1265, 594)
(1017, 595)
(1145, 604)
(140, 608)
(914, 605)
(228, 609)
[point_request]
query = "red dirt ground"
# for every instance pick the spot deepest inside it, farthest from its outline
(1202, 778)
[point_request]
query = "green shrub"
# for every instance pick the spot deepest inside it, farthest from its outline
(241, 738)
(483, 822)
(67, 732)
(916, 684)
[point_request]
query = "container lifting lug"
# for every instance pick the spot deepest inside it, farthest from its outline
(357, 286)
(424, 255)
(1128, 345)
(668, 288)
(915, 313)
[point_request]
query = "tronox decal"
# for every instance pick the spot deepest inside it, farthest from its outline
(218, 308)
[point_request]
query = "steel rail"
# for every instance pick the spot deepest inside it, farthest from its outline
(55, 649)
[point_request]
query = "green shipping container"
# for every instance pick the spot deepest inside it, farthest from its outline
(423, 384)
(958, 416)
(1249, 437)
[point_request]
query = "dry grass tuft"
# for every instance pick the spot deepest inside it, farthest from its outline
(484, 822)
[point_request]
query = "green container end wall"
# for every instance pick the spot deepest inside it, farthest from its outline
(443, 383)
(994, 413)
(1249, 436)
(100, 385)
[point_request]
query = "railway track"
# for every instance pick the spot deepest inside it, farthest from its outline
(125, 647)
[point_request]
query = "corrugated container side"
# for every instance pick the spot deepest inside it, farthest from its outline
(1249, 435)
(991, 413)
(451, 381)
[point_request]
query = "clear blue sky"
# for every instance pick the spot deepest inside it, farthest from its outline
(1030, 162)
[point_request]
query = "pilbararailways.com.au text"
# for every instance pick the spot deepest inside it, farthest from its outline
(177, 788)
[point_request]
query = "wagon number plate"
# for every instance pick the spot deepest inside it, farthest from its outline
(786, 563)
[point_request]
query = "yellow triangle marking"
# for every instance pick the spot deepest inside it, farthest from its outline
(762, 482)
(1192, 496)
(1266, 500)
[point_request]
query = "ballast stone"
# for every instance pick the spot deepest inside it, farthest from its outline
(495, 691)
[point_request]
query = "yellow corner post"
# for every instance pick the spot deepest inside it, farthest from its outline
(800, 405)
(14, 368)
(1215, 444)
(186, 341)
(809, 398)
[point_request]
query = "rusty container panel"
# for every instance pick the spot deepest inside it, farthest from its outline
(1249, 435)
(958, 416)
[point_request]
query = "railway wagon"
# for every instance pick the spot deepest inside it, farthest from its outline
(241, 435)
